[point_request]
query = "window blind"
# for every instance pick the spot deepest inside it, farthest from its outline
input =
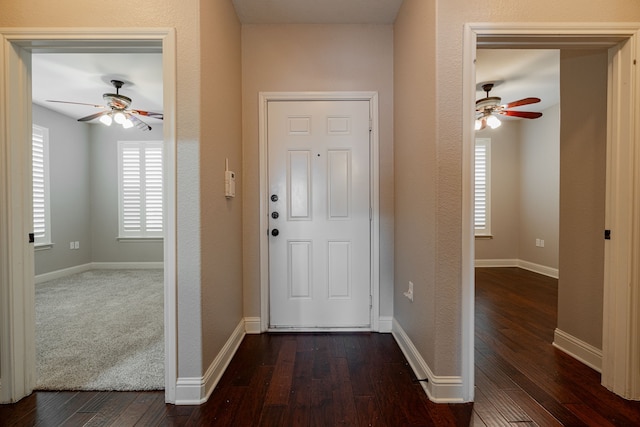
(482, 190)
(140, 167)
(40, 168)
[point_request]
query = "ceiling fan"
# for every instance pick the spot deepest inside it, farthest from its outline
(117, 110)
(487, 108)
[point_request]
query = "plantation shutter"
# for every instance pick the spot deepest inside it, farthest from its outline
(140, 165)
(482, 201)
(40, 167)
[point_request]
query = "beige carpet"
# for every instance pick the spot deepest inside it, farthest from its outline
(101, 330)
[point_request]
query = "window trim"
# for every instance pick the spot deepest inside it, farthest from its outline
(483, 232)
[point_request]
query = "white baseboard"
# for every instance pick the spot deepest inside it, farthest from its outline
(52, 275)
(253, 325)
(126, 265)
(526, 265)
(385, 324)
(578, 349)
(439, 389)
(496, 263)
(196, 390)
(540, 269)
(57, 274)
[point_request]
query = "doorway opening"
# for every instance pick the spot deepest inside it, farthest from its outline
(621, 171)
(18, 336)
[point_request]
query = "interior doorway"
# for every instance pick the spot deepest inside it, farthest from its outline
(621, 41)
(18, 340)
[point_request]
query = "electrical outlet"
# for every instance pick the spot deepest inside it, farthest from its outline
(409, 293)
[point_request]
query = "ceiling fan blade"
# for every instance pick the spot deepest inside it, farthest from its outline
(77, 103)
(523, 114)
(524, 101)
(139, 123)
(151, 114)
(92, 116)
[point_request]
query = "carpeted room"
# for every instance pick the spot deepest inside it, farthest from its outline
(99, 296)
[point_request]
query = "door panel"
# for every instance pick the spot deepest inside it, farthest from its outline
(319, 259)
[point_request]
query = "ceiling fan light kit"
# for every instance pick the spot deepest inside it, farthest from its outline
(489, 107)
(117, 110)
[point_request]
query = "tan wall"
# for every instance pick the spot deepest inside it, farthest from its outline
(416, 171)
(438, 216)
(540, 188)
(293, 58)
(582, 189)
(220, 138)
(505, 193)
(525, 175)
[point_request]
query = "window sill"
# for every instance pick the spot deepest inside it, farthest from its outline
(139, 239)
(43, 246)
(484, 236)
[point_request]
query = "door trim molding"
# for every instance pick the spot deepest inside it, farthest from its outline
(17, 333)
(372, 98)
(621, 323)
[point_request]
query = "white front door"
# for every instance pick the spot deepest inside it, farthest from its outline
(319, 214)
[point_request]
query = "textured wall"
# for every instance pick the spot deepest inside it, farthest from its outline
(315, 58)
(221, 137)
(416, 171)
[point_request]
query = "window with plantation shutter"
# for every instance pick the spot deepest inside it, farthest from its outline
(482, 210)
(140, 188)
(41, 204)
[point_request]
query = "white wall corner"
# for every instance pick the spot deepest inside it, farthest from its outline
(385, 324)
(578, 349)
(253, 325)
(439, 389)
(196, 390)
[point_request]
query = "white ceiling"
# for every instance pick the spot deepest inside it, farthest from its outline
(520, 73)
(80, 77)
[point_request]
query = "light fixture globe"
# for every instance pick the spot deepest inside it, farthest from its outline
(119, 118)
(106, 119)
(493, 122)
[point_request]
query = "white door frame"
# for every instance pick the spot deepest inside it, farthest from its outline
(372, 98)
(17, 299)
(621, 322)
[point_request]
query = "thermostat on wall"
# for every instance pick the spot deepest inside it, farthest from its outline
(229, 181)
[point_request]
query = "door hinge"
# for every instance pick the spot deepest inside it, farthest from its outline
(370, 301)
(370, 214)
(32, 237)
(370, 125)
(607, 234)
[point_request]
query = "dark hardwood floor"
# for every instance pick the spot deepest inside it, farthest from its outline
(364, 380)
